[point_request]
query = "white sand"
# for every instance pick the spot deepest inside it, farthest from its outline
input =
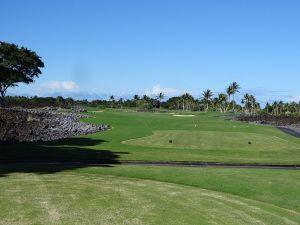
(96, 111)
(184, 115)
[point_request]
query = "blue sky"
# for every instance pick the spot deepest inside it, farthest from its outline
(92, 49)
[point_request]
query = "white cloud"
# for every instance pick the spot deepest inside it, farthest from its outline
(156, 89)
(295, 99)
(62, 85)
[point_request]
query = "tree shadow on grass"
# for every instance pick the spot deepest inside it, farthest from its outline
(55, 156)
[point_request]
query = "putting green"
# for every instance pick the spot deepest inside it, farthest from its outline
(212, 140)
(67, 198)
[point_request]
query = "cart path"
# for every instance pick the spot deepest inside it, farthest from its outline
(289, 131)
(154, 163)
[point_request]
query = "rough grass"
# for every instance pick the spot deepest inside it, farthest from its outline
(72, 198)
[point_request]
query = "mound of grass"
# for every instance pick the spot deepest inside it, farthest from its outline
(213, 140)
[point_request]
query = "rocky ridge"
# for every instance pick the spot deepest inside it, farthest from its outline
(284, 122)
(31, 125)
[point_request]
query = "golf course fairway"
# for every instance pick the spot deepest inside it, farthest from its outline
(70, 198)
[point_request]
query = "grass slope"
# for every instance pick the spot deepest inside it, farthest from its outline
(71, 198)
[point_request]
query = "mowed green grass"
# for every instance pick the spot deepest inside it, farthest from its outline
(206, 137)
(80, 194)
(118, 195)
(213, 140)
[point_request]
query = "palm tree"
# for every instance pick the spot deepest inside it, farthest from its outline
(146, 100)
(120, 102)
(247, 101)
(136, 98)
(112, 101)
(280, 106)
(253, 103)
(250, 103)
(232, 89)
(207, 95)
(187, 101)
(229, 92)
(235, 87)
(160, 97)
(275, 106)
(222, 101)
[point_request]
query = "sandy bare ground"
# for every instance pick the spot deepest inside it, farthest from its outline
(178, 115)
(99, 111)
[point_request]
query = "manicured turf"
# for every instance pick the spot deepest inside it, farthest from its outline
(80, 194)
(88, 196)
(213, 140)
(276, 187)
(206, 137)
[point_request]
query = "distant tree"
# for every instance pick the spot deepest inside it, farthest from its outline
(280, 107)
(147, 101)
(268, 108)
(231, 90)
(120, 102)
(174, 103)
(59, 100)
(275, 106)
(69, 101)
(250, 103)
(222, 102)
(207, 95)
(235, 87)
(187, 101)
(160, 97)
(17, 65)
(136, 100)
(229, 93)
(112, 101)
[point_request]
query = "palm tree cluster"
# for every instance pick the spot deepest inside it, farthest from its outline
(224, 101)
(250, 104)
(282, 108)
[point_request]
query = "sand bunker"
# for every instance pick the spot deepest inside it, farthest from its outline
(183, 115)
(96, 111)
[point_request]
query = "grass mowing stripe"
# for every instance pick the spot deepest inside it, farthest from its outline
(90, 198)
(277, 187)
